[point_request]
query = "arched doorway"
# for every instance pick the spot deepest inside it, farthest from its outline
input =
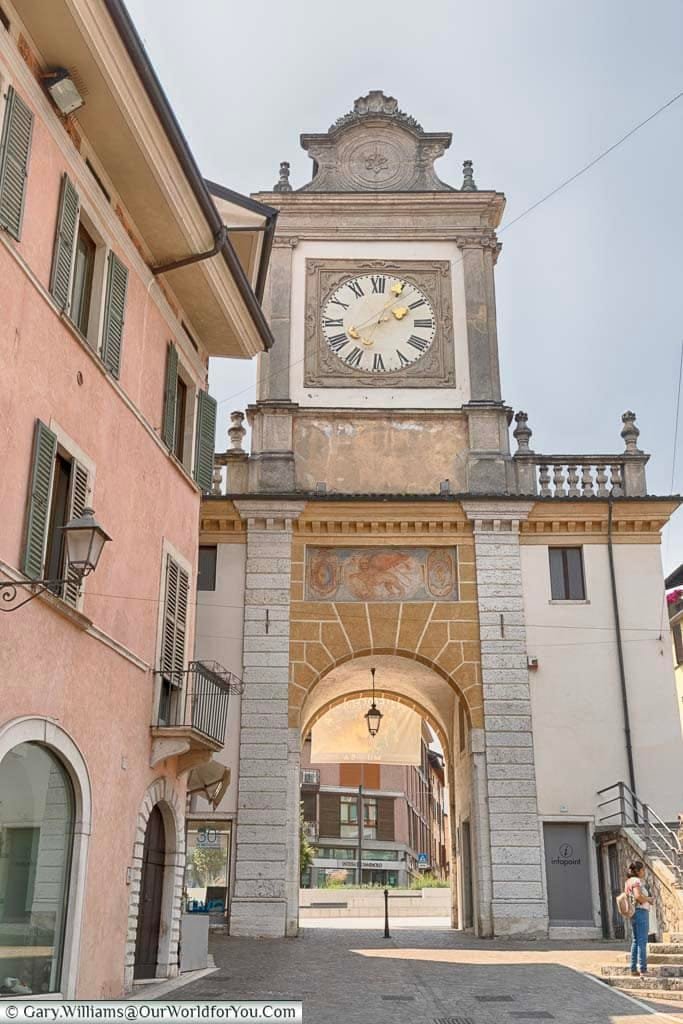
(151, 894)
(439, 703)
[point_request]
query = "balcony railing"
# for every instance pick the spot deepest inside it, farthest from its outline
(581, 476)
(200, 700)
(310, 778)
(311, 831)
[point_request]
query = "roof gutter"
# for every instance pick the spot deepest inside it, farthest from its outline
(269, 214)
(157, 97)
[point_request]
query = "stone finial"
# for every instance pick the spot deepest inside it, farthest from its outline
(522, 433)
(236, 431)
(630, 433)
(283, 181)
(468, 184)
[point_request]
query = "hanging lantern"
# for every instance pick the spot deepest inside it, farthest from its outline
(373, 716)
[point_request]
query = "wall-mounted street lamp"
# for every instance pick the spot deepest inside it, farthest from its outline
(63, 91)
(85, 539)
(373, 716)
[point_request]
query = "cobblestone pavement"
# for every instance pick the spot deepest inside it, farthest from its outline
(435, 976)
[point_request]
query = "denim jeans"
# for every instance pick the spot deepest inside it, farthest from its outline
(640, 925)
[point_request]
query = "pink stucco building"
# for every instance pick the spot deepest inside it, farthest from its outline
(104, 348)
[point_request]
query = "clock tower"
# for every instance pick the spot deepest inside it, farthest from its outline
(374, 526)
(384, 374)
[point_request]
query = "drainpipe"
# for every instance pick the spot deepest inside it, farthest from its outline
(220, 240)
(620, 651)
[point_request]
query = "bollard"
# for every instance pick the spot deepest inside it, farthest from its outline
(386, 914)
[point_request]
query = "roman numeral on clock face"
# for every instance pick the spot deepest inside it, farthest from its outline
(377, 362)
(378, 285)
(419, 343)
(356, 289)
(332, 323)
(402, 358)
(337, 342)
(338, 302)
(414, 305)
(423, 323)
(354, 357)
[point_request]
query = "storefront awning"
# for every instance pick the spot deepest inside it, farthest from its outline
(211, 780)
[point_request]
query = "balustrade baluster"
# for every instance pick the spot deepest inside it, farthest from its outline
(573, 481)
(601, 478)
(617, 481)
(558, 480)
(587, 481)
(217, 480)
(544, 481)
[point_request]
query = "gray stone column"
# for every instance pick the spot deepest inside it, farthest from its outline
(478, 255)
(519, 904)
(266, 859)
(481, 835)
(273, 377)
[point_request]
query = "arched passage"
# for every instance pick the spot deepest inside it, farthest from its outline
(434, 696)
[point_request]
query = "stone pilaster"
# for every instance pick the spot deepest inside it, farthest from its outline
(519, 904)
(266, 859)
(273, 370)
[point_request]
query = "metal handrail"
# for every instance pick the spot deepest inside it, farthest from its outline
(633, 812)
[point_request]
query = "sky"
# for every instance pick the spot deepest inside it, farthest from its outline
(589, 285)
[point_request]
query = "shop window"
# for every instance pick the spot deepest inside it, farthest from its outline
(567, 582)
(207, 868)
(36, 839)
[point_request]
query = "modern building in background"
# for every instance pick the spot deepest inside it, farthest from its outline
(404, 811)
(118, 281)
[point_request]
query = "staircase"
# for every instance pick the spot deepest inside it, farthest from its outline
(621, 807)
(664, 969)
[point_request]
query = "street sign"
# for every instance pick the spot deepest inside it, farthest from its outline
(422, 859)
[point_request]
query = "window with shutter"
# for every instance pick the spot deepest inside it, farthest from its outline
(168, 432)
(174, 622)
(78, 497)
(114, 314)
(62, 257)
(385, 818)
(206, 440)
(15, 147)
(329, 814)
(40, 489)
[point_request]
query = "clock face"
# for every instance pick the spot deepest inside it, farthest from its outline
(378, 323)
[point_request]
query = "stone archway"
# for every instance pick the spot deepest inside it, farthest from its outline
(432, 694)
(163, 796)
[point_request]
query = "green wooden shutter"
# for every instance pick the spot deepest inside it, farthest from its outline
(114, 314)
(175, 621)
(42, 472)
(170, 397)
(206, 440)
(77, 501)
(15, 147)
(65, 239)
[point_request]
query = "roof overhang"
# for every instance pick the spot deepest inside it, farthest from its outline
(129, 124)
(251, 227)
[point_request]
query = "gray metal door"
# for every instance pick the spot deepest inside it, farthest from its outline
(567, 868)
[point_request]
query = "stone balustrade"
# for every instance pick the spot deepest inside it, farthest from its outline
(580, 476)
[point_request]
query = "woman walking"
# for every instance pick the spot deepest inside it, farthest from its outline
(640, 922)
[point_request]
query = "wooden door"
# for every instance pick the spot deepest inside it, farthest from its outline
(151, 888)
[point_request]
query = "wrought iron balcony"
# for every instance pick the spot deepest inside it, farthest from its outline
(193, 713)
(311, 831)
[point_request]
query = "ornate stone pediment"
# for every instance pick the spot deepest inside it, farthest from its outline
(376, 148)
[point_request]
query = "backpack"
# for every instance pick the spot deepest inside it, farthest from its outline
(625, 905)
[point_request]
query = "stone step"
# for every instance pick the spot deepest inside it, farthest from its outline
(657, 994)
(666, 947)
(650, 982)
(662, 958)
(656, 970)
